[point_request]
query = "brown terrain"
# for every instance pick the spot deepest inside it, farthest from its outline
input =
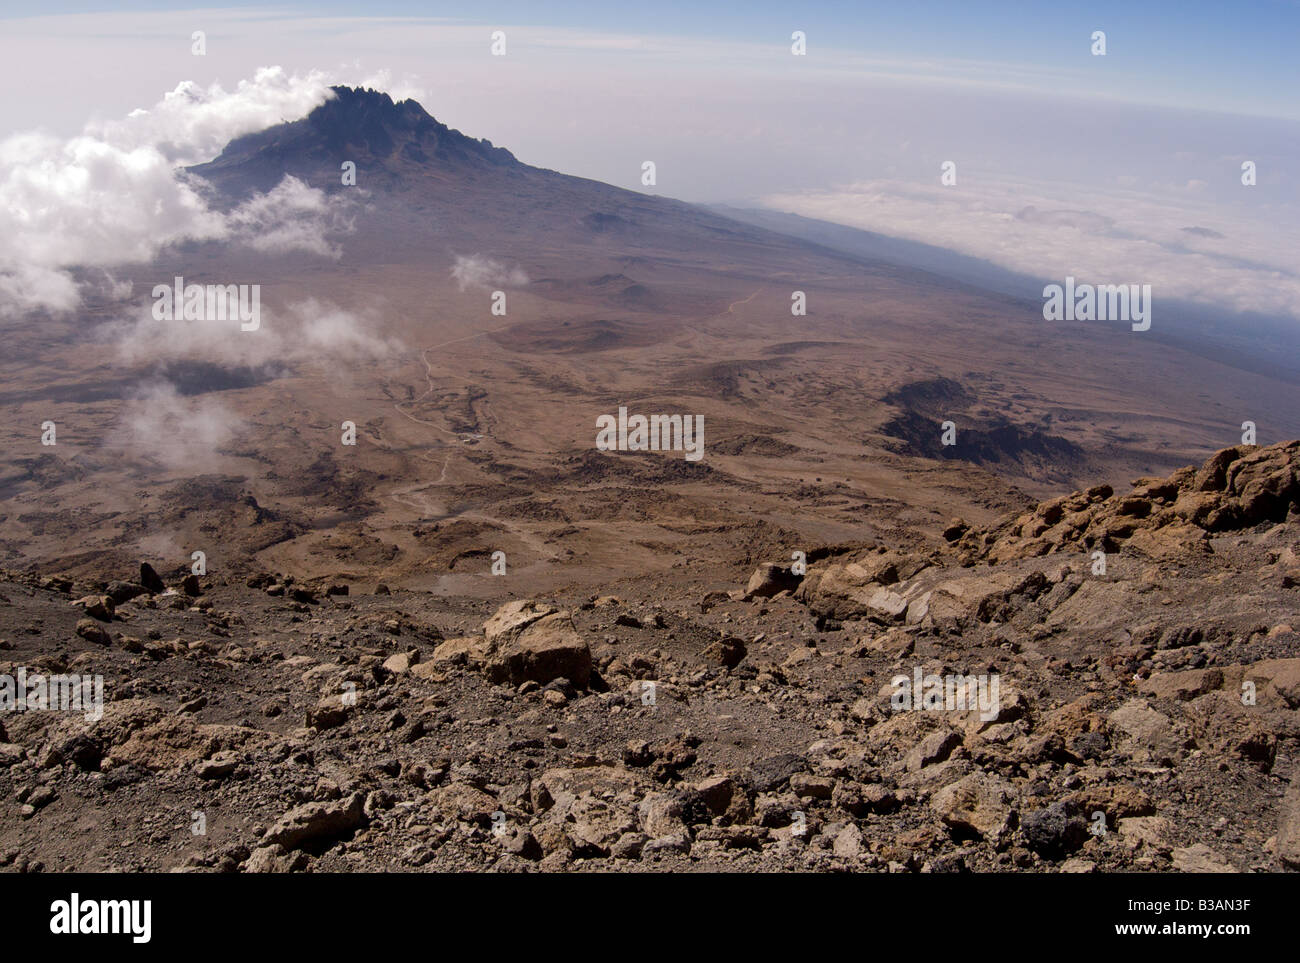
(652, 684)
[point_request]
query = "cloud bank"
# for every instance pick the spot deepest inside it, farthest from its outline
(1185, 245)
(115, 195)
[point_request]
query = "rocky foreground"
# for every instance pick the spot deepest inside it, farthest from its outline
(1134, 705)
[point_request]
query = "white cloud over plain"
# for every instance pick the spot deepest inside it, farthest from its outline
(306, 331)
(114, 195)
(179, 432)
(479, 271)
(1230, 257)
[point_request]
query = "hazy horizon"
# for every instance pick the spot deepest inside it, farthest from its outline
(1121, 168)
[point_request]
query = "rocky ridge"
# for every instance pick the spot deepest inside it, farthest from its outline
(1146, 717)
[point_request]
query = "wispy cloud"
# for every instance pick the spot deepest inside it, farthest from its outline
(478, 271)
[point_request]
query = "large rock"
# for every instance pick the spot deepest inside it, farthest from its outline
(150, 580)
(315, 821)
(867, 587)
(977, 804)
(556, 789)
(177, 741)
(121, 592)
(1220, 722)
(512, 618)
(92, 631)
(464, 802)
(99, 607)
(1152, 832)
(1054, 832)
(1276, 680)
(769, 579)
(466, 650)
(1199, 858)
(329, 713)
(274, 859)
(1183, 686)
(526, 645)
(935, 747)
(1148, 733)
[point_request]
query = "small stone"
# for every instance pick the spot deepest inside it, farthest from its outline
(218, 767)
(806, 786)
(716, 791)
(936, 747)
(92, 631)
(329, 713)
(848, 842)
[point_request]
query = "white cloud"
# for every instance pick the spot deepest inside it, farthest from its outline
(306, 331)
(291, 217)
(1050, 230)
(477, 271)
(179, 432)
(192, 124)
(114, 195)
(327, 328)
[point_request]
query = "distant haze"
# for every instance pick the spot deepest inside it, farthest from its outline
(1060, 169)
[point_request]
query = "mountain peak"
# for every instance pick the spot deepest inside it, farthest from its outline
(387, 141)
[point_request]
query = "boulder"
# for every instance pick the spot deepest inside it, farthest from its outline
(539, 649)
(769, 579)
(121, 592)
(316, 821)
(727, 652)
(1183, 686)
(466, 650)
(512, 618)
(463, 802)
(1199, 858)
(150, 580)
(935, 747)
(92, 631)
(1148, 733)
(977, 804)
(99, 607)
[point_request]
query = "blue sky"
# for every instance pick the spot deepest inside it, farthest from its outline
(1237, 57)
